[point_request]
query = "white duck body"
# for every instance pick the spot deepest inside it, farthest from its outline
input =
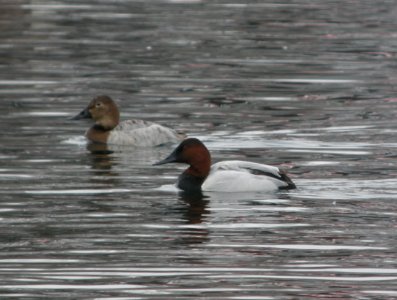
(243, 176)
(142, 133)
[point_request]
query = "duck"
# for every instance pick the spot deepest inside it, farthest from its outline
(224, 176)
(109, 130)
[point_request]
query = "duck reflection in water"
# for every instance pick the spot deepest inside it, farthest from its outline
(196, 206)
(100, 155)
(195, 213)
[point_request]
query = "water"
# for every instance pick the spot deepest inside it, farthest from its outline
(306, 85)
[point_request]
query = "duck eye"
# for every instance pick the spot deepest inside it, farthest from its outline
(98, 104)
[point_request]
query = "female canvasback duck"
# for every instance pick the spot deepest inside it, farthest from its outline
(108, 129)
(226, 176)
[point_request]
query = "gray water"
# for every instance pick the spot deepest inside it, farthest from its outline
(306, 85)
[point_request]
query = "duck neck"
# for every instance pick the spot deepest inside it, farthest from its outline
(108, 120)
(108, 123)
(190, 183)
(193, 177)
(99, 128)
(97, 134)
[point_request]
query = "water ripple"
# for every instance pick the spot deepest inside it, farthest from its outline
(308, 86)
(304, 247)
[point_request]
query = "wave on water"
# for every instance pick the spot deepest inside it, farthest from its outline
(76, 140)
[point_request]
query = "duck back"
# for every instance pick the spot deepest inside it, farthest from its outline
(141, 133)
(242, 176)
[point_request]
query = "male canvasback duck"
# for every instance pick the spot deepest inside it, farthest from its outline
(226, 176)
(108, 128)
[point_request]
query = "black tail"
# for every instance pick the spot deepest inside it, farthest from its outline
(286, 179)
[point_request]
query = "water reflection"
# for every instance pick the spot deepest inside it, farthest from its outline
(196, 207)
(306, 84)
(195, 212)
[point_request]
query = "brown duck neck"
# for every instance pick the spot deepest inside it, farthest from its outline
(193, 177)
